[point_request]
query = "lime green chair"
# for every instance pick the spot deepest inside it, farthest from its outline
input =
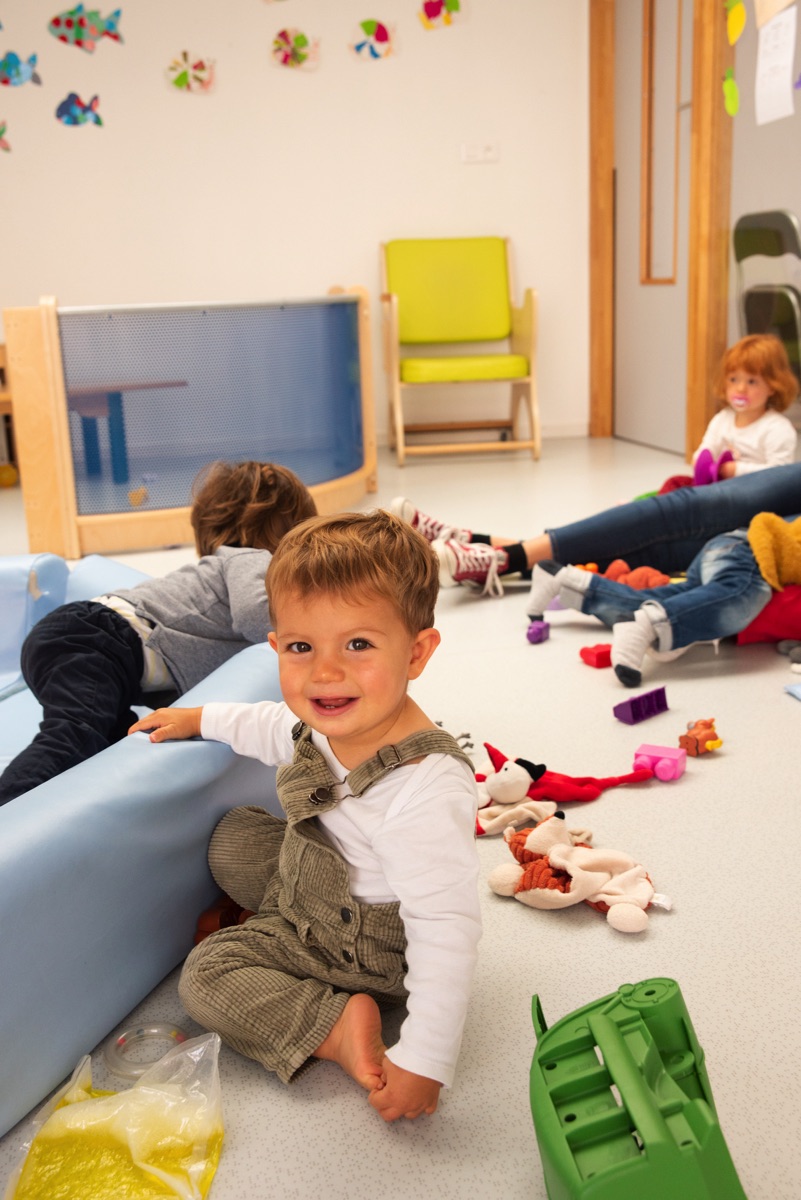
(439, 295)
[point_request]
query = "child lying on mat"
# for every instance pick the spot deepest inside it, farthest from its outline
(727, 585)
(89, 661)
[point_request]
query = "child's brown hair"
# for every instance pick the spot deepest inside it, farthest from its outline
(353, 554)
(247, 504)
(760, 354)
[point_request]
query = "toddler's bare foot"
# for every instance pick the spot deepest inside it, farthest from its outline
(355, 1042)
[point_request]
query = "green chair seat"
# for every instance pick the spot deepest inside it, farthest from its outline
(464, 369)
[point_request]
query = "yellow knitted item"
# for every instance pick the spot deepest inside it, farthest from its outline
(776, 544)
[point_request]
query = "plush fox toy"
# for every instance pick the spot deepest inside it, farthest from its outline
(557, 867)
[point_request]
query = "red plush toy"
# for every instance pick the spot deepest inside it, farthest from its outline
(513, 791)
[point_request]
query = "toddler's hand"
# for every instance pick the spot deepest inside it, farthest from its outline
(404, 1094)
(170, 724)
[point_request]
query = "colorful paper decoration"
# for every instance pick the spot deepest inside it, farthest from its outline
(292, 48)
(373, 40)
(73, 111)
(731, 93)
(4, 145)
(77, 27)
(14, 72)
(436, 13)
(736, 17)
(188, 73)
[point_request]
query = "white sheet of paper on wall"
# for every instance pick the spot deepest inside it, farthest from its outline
(766, 9)
(773, 89)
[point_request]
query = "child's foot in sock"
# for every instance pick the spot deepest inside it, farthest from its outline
(630, 640)
(430, 527)
(545, 584)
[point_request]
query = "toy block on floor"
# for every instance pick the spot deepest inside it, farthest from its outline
(639, 708)
(538, 631)
(597, 656)
(666, 762)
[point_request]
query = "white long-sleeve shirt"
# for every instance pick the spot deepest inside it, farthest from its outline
(410, 838)
(770, 441)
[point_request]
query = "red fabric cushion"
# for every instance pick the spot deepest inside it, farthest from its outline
(780, 618)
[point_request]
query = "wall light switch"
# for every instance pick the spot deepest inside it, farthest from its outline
(480, 152)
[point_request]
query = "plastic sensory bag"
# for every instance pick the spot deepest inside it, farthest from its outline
(161, 1138)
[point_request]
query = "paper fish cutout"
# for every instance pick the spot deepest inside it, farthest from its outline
(736, 18)
(84, 29)
(4, 145)
(438, 12)
(292, 48)
(191, 74)
(374, 40)
(14, 72)
(73, 111)
(731, 93)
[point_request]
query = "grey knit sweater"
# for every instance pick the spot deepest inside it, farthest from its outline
(206, 612)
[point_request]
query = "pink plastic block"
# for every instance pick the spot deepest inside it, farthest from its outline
(538, 631)
(666, 762)
(597, 656)
(639, 708)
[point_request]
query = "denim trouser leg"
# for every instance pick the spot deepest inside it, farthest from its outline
(84, 664)
(722, 594)
(666, 532)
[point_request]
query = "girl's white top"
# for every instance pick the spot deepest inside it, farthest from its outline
(770, 441)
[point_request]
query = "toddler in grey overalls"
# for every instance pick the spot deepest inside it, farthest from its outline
(274, 987)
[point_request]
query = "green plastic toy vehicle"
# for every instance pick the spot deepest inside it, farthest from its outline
(622, 1103)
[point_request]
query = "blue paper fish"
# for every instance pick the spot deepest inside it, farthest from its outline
(73, 111)
(14, 72)
(77, 27)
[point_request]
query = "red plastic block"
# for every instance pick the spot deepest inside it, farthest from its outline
(597, 656)
(538, 631)
(639, 708)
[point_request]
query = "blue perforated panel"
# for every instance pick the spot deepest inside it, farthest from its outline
(274, 382)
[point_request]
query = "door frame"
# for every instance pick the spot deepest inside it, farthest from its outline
(709, 216)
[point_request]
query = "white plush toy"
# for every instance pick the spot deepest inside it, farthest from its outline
(516, 791)
(557, 867)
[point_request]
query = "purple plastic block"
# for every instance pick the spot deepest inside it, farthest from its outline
(639, 708)
(538, 631)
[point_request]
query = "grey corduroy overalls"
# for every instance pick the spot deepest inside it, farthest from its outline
(274, 986)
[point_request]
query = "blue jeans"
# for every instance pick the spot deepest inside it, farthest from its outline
(666, 532)
(722, 593)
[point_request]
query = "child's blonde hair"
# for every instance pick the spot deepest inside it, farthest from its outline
(358, 554)
(760, 354)
(247, 504)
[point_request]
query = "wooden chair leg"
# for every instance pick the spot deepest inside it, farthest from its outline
(534, 419)
(396, 421)
(518, 390)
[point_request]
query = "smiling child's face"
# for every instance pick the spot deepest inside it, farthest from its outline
(344, 666)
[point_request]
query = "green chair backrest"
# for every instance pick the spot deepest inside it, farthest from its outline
(450, 289)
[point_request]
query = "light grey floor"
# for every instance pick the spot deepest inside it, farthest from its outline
(722, 842)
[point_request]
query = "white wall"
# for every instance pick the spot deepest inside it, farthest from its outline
(279, 183)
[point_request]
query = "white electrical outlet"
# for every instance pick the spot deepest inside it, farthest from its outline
(480, 152)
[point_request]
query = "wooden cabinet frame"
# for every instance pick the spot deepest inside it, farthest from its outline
(709, 219)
